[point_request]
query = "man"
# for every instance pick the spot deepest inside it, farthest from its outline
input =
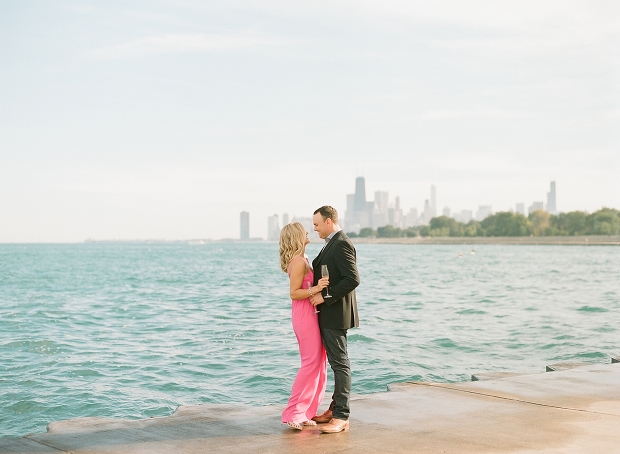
(338, 311)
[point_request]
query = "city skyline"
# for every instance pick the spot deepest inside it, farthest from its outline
(364, 213)
(138, 120)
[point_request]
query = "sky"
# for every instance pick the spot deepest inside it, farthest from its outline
(166, 119)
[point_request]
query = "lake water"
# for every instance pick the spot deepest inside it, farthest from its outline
(134, 330)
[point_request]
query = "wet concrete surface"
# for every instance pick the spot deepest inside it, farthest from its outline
(573, 410)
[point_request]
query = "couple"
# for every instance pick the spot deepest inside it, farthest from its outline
(323, 310)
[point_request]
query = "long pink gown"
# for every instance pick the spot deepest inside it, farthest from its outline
(309, 386)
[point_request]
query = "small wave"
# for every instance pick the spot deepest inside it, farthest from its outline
(564, 337)
(445, 343)
(87, 373)
(40, 347)
(604, 329)
(25, 407)
(592, 309)
(592, 356)
(360, 338)
(471, 312)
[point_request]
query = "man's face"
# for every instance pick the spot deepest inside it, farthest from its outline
(322, 227)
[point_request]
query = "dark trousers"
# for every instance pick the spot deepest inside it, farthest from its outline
(335, 342)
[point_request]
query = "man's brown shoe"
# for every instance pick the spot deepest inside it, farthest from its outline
(324, 418)
(335, 426)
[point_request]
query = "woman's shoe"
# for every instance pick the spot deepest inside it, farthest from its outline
(309, 423)
(294, 425)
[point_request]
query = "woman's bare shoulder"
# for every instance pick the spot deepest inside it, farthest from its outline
(295, 264)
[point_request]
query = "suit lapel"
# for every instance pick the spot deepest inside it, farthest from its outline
(318, 258)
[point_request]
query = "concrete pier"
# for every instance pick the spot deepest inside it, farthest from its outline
(570, 410)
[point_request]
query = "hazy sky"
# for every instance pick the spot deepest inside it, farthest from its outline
(165, 119)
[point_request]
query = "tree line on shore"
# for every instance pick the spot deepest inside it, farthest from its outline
(539, 223)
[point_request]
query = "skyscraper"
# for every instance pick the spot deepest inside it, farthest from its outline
(380, 216)
(273, 228)
(361, 213)
(551, 199)
(284, 219)
(360, 194)
(433, 201)
(535, 206)
(466, 216)
(520, 208)
(395, 214)
(244, 221)
(427, 214)
(381, 201)
(349, 215)
(483, 212)
(412, 219)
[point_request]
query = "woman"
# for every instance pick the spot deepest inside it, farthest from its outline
(309, 385)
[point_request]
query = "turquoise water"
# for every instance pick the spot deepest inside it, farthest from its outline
(134, 330)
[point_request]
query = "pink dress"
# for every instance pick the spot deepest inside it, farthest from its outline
(309, 386)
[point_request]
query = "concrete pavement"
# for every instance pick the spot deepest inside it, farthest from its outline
(573, 410)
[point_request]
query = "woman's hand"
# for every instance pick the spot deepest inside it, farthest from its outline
(323, 282)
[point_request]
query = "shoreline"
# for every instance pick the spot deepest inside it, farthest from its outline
(591, 240)
(419, 417)
(581, 240)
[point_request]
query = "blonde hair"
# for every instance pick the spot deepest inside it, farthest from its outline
(292, 243)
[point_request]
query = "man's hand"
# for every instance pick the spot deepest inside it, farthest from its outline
(317, 299)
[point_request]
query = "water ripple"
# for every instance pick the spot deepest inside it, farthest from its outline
(134, 330)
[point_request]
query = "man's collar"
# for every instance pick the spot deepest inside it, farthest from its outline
(331, 235)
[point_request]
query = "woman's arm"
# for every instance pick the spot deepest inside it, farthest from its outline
(298, 271)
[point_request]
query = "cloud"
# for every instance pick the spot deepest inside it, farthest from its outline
(185, 43)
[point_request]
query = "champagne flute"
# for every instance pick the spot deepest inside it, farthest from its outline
(325, 273)
(309, 285)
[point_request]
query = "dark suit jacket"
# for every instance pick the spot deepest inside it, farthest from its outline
(339, 311)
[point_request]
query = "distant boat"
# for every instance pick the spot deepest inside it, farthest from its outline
(472, 252)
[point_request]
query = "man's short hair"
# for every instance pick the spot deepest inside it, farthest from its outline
(328, 212)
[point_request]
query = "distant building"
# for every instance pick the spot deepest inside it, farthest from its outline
(369, 214)
(244, 221)
(360, 194)
(382, 199)
(483, 212)
(395, 214)
(551, 208)
(360, 212)
(446, 212)
(535, 206)
(284, 219)
(411, 219)
(520, 208)
(465, 216)
(427, 214)
(273, 228)
(349, 216)
(380, 216)
(433, 201)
